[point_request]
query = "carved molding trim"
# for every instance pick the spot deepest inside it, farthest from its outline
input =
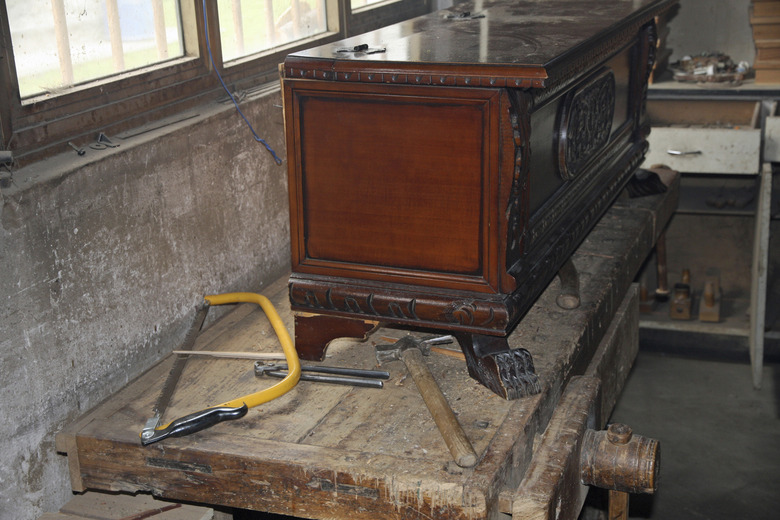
(517, 209)
(472, 313)
(422, 77)
(585, 122)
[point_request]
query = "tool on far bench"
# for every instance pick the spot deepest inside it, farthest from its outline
(236, 408)
(325, 374)
(411, 350)
(682, 298)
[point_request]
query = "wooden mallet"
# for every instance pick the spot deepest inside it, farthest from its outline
(410, 350)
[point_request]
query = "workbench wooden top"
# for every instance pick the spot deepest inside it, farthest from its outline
(328, 451)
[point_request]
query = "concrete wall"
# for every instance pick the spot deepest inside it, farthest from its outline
(710, 26)
(103, 258)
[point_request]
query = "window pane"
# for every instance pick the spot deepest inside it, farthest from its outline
(251, 26)
(60, 43)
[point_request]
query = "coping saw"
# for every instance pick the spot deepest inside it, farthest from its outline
(236, 408)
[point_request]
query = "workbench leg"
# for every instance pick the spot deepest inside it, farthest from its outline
(507, 372)
(758, 275)
(314, 332)
(569, 297)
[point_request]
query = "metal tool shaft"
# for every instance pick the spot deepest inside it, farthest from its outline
(341, 371)
(332, 379)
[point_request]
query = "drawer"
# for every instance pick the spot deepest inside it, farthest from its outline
(706, 150)
(705, 137)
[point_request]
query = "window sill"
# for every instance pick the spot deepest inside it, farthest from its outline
(55, 169)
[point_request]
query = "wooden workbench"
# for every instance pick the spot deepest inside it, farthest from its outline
(333, 452)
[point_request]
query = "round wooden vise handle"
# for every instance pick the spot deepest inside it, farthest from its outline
(618, 460)
(459, 445)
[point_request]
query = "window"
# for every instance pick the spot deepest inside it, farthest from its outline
(58, 44)
(74, 68)
(269, 23)
(357, 4)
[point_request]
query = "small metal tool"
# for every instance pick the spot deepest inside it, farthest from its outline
(364, 49)
(79, 150)
(680, 152)
(333, 375)
(102, 142)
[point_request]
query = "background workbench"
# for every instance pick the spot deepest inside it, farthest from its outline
(326, 451)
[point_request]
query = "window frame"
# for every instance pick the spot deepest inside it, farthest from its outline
(42, 126)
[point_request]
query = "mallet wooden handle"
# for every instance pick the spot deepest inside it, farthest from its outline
(451, 430)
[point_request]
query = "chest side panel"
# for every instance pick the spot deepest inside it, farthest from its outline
(395, 184)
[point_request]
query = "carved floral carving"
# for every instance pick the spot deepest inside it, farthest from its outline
(585, 123)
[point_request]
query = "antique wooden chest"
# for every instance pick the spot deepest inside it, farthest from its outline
(442, 170)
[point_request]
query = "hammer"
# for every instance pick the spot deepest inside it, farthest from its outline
(411, 351)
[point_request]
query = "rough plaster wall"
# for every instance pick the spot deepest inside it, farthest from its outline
(102, 267)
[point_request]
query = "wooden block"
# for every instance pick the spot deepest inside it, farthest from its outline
(767, 76)
(682, 302)
(766, 63)
(764, 20)
(766, 31)
(767, 51)
(107, 506)
(764, 9)
(709, 304)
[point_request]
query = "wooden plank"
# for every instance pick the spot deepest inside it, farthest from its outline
(325, 451)
(615, 356)
(552, 488)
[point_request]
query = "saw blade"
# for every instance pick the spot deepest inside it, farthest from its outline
(178, 365)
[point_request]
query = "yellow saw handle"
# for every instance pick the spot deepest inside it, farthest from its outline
(288, 347)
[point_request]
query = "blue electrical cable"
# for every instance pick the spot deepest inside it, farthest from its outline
(233, 99)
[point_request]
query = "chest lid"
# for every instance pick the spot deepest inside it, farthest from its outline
(501, 43)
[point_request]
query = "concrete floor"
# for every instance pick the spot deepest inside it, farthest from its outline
(720, 438)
